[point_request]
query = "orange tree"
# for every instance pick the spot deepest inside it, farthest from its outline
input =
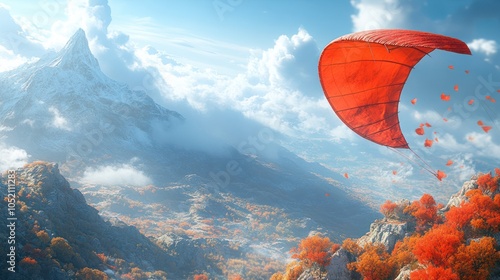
(433, 273)
(374, 263)
(424, 211)
(475, 261)
(315, 250)
(438, 245)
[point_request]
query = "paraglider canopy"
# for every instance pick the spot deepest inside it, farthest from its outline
(363, 74)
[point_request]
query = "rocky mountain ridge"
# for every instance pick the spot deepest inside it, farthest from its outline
(50, 214)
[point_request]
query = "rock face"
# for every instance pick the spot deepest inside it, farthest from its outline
(459, 197)
(404, 274)
(386, 232)
(338, 266)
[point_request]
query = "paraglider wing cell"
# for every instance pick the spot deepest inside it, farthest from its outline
(363, 74)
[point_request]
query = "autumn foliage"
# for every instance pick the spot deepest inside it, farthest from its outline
(374, 263)
(451, 243)
(424, 211)
(388, 208)
(200, 277)
(315, 250)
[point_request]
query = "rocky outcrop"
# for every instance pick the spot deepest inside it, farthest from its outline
(459, 197)
(404, 274)
(386, 232)
(338, 266)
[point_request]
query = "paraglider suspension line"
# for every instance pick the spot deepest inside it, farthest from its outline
(424, 165)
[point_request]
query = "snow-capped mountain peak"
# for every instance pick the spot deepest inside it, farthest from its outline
(75, 53)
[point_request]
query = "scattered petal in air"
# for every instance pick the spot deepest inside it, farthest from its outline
(414, 101)
(428, 143)
(449, 162)
(436, 139)
(394, 172)
(440, 175)
(445, 119)
(490, 99)
(471, 102)
(445, 97)
(455, 88)
(327, 194)
(451, 67)
(486, 128)
(480, 123)
(498, 90)
(470, 138)
(427, 124)
(466, 71)
(346, 175)
(420, 131)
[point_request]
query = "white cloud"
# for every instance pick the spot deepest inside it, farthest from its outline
(428, 116)
(342, 132)
(485, 144)
(487, 47)
(59, 121)
(375, 14)
(462, 168)
(124, 174)
(279, 88)
(12, 157)
(449, 143)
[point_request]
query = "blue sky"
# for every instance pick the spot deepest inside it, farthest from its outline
(236, 64)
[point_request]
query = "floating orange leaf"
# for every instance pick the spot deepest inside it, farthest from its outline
(455, 87)
(445, 119)
(436, 139)
(394, 172)
(470, 138)
(327, 194)
(420, 131)
(480, 123)
(346, 175)
(428, 143)
(471, 102)
(486, 128)
(449, 162)
(451, 67)
(445, 97)
(466, 71)
(427, 124)
(490, 99)
(440, 175)
(414, 101)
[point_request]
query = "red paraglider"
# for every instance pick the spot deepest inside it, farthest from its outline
(363, 74)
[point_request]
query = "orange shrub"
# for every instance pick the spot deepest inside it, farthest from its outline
(487, 182)
(314, 249)
(433, 273)
(438, 245)
(475, 261)
(387, 209)
(374, 263)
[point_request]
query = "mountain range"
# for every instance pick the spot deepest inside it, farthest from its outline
(257, 197)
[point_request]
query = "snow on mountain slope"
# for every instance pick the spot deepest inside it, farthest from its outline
(64, 97)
